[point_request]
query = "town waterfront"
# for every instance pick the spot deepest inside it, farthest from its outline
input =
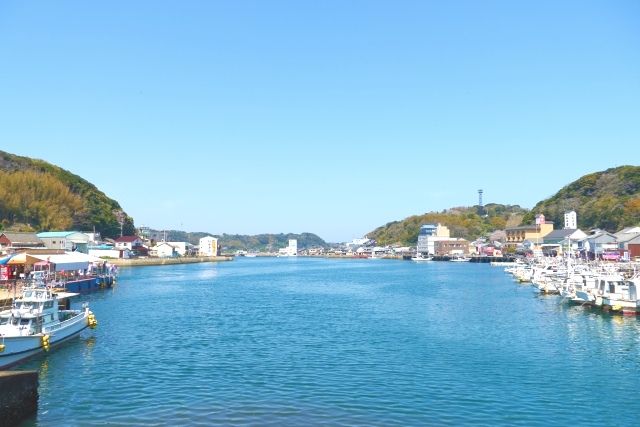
(312, 341)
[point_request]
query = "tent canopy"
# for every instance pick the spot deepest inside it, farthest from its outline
(64, 262)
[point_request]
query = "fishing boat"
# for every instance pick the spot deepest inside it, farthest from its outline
(421, 258)
(460, 258)
(38, 320)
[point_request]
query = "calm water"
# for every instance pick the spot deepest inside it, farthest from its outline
(334, 342)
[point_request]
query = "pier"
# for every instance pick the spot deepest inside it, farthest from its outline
(18, 396)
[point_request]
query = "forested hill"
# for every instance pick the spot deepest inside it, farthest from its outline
(609, 200)
(36, 196)
(466, 222)
(234, 242)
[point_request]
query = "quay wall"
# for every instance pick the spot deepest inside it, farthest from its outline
(18, 396)
(133, 262)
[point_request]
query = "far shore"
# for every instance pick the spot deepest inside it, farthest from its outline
(134, 262)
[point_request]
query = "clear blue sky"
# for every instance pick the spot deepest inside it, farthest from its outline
(332, 117)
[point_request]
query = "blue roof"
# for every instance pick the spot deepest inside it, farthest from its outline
(6, 259)
(58, 234)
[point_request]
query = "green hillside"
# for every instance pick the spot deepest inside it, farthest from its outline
(36, 196)
(609, 200)
(465, 222)
(234, 242)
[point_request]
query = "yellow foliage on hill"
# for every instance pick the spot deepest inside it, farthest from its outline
(37, 199)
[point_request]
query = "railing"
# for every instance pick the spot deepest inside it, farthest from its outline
(65, 323)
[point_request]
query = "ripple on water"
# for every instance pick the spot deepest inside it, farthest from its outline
(334, 342)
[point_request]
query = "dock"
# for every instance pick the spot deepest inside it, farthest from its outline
(18, 396)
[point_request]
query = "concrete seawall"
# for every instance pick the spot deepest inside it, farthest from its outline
(18, 396)
(133, 262)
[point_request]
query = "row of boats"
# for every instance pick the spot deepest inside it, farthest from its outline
(39, 319)
(612, 287)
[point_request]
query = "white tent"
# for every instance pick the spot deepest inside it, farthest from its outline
(65, 262)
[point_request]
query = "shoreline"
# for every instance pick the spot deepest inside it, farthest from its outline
(136, 262)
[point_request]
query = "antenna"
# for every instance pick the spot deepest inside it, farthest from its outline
(480, 206)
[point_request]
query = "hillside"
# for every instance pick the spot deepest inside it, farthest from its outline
(36, 195)
(609, 200)
(462, 222)
(234, 242)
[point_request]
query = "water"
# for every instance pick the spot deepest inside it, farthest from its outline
(285, 341)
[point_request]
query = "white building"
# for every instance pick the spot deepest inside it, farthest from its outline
(67, 240)
(181, 247)
(570, 220)
(428, 236)
(208, 246)
(291, 250)
(128, 242)
(163, 250)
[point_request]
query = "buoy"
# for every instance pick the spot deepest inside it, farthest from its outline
(45, 342)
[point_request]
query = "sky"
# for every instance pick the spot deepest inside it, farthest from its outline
(329, 117)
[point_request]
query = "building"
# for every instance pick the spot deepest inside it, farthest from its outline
(570, 220)
(163, 250)
(19, 240)
(128, 242)
(183, 248)
(599, 245)
(565, 240)
(533, 233)
(633, 246)
(291, 250)
(452, 247)
(626, 236)
(66, 240)
(94, 236)
(108, 251)
(428, 235)
(208, 246)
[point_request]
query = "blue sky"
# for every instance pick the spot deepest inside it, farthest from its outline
(331, 117)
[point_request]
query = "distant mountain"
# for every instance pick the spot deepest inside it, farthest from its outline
(465, 222)
(609, 200)
(36, 196)
(234, 242)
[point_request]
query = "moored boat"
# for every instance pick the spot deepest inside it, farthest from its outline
(38, 320)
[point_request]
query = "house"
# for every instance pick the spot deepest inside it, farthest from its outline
(533, 233)
(208, 246)
(626, 235)
(183, 248)
(565, 240)
(19, 240)
(633, 246)
(67, 240)
(163, 250)
(94, 236)
(128, 242)
(108, 251)
(599, 244)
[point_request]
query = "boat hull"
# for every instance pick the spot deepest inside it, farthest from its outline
(20, 348)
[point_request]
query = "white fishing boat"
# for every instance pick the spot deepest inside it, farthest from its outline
(38, 320)
(421, 258)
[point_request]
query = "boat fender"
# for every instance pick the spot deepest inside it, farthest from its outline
(1, 348)
(45, 342)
